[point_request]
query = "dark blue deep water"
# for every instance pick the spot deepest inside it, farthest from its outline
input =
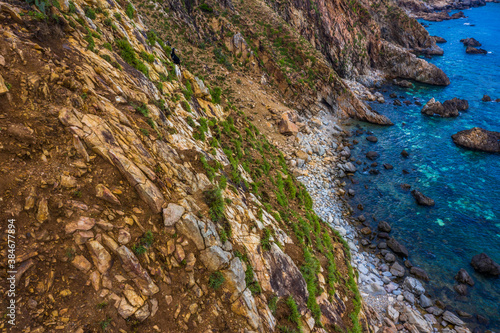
(465, 184)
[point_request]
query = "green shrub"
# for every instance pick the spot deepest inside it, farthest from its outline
(130, 11)
(107, 46)
(117, 16)
(294, 316)
(188, 92)
(265, 240)
(72, 7)
(90, 40)
(216, 280)
(216, 95)
(216, 203)
(273, 304)
(151, 38)
(252, 284)
(128, 55)
(90, 13)
(222, 182)
(186, 106)
(143, 243)
(147, 57)
(206, 8)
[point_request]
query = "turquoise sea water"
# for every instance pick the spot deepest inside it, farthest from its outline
(465, 184)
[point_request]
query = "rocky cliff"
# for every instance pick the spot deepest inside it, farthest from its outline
(360, 37)
(152, 197)
(143, 204)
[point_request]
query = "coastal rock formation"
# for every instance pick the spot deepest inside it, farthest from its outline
(473, 50)
(449, 108)
(397, 247)
(470, 42)
(486, 98)
(439, 40)
(443, 15)
(464, 277)
(422, 199)
(391, 36)
(408, 66)
(483, 264)
(478, 139)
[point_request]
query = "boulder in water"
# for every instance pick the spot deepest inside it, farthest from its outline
(474, 50)
(419, 273)
(464, 277)
(372, 138)
(486, 98)
(372, 155)
(461, 289)
(470, 42)
(422, 199)
(478, 139)
(449, 108)
(439, 39)
(397, 247)
(483, 264)
(384, 226)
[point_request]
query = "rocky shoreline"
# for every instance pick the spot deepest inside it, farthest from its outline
(321, 159)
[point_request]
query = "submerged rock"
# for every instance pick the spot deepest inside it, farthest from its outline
(474, 50)
(478, 139)
(422, 199)
(483, 264)
(486, 98)
(419, 273)
(372, 155)
(470, 42)
(464, 277)
(397, 247)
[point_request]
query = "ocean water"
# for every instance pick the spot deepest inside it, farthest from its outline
(465, 184)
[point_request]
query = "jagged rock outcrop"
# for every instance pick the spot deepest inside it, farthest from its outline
(450, 108)
(382, 45)
(483, 264)
(478, 139)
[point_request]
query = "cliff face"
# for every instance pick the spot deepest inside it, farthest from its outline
(145, 196)
(356, 37)
(144, 199)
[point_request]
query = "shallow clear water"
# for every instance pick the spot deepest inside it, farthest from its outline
(465, 184)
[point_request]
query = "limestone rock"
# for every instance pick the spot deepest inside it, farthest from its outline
(42, 213)
(189, 226)
(146, 189)
(172, 214)
(235, 276)
(478, 139)
(413, 285)
(136, 272)
(397, 247)
(104, 193)
(452, 318)
(81, 263)
(464, 277)
(100, 257)
(214, 257)
(83, 223)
